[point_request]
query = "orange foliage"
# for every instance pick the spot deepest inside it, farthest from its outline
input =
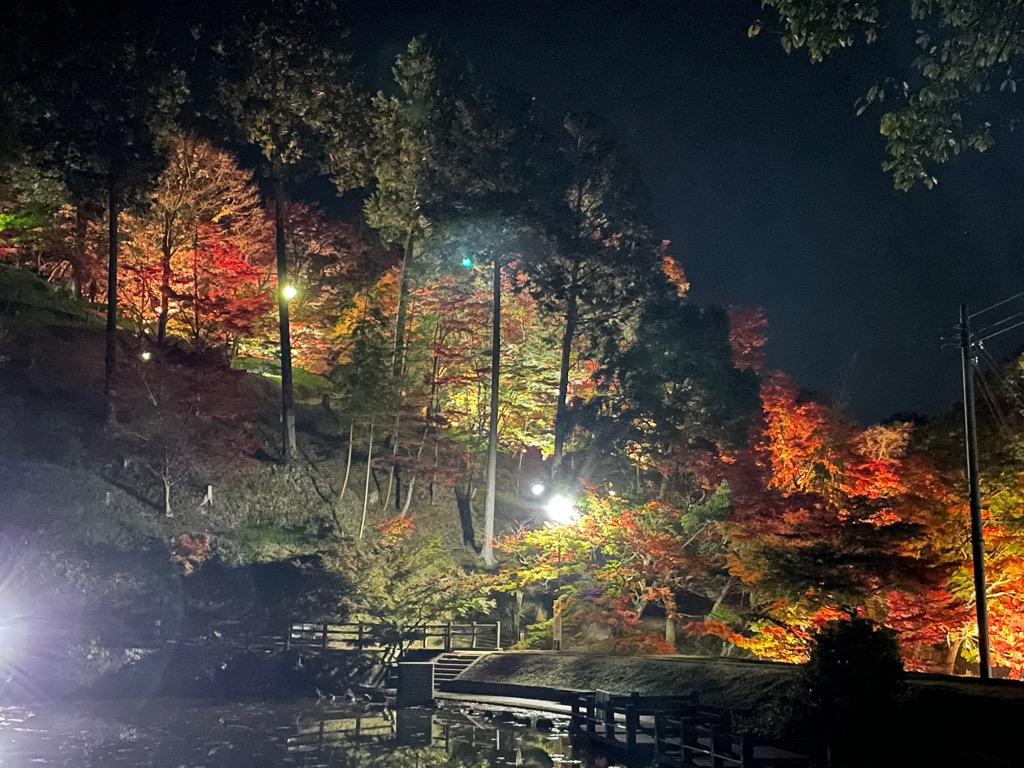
(748, 334)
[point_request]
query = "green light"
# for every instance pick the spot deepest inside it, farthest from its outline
(466, 257)
(467, 262)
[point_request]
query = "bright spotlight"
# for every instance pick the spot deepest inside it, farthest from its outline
(289, 292)
(147, 356)
(562, 509)
(537, 488)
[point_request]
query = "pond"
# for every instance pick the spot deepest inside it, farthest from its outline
(190, 734)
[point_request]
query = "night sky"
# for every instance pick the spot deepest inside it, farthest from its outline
(768, 186)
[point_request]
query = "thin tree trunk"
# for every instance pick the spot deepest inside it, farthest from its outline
(398, 353)
(110, 352)
(196, 317)
(165, 282)
(338, 504)
(79, 251)
(166, 477)
(366, 488)
(436, 462)
(289, 448)
(391, 472)
(348, 461)
(412, 483)
(562, 409)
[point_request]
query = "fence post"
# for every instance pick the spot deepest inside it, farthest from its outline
(448, 637)
(288, 637)
(359, 636)
(632, 722)
(746, 750)
(719, 738)
(497, 635)
(324, 642)
(685, 753)
(472, 641)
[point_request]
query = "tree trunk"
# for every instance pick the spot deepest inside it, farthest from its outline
(465, 505)
(344, 484)
(110, 352)
(392, 472)
(562, 409)
(168, 512)
(165, 282)
(412, 482)
(670, 629)
(366, 488)
(78, 250)
(166, 478)
(398, 353)
(196, 317)
(289, 449)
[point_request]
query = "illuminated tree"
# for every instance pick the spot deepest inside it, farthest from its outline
(291, 93)
(619, 559)
(201, 195)
(830, 519)
(600, 255)
(96, 101)
(673, 391)
(403, 582)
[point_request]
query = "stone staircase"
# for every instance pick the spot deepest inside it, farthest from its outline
(450, 665)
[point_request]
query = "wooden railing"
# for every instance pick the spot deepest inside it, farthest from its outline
(622, 721)
(362, 636)
(687, 739)
(676, 732)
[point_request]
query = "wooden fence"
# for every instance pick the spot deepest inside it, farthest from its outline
(675, 732)
(361, 636)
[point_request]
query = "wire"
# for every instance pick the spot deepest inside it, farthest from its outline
(997, 304)
(1008, 383)
(993, 403)
(988, 328)
(993, 335)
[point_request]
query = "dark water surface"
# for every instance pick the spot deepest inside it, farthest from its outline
(190, 734)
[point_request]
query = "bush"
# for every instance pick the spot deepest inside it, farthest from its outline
(852, 681)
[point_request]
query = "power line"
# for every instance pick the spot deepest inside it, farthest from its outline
(1004, 330)
(997, 304)
(988, 328)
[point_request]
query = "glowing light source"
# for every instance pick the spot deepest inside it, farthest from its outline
(147, 356)
(537, 488)
(561, 509)
(289, 292)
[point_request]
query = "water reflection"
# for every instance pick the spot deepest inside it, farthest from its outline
(180, 734)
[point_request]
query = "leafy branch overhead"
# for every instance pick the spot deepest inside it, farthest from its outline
(954, 95)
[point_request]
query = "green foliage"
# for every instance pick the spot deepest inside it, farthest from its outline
(853, 680)
(676, 387)
(26, 289)
(968, 53)
(403, 582)
(291, 92)
(243, 546)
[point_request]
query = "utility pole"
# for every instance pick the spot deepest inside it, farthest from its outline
(977, 543)
(492, 432)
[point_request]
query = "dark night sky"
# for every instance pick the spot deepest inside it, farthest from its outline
(769, 188)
